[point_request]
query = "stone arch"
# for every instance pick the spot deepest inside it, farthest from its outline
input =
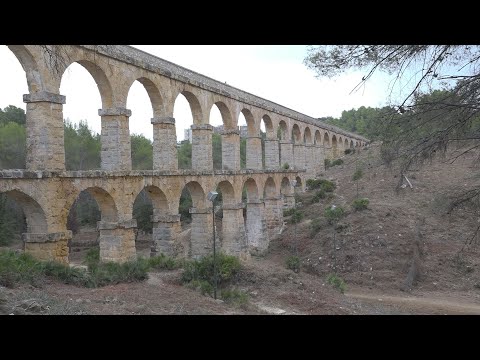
(29, 65)
(307, 136)
(299, 182)
(34, 213)
(153, 92)
(296, 134)
(100, 78)
(228, 192)
(318, 138)
(105, 202)
(351, 144)
(195, 106)
(268, 126)
(252, 189)
(326, 139)
(158, 198)
(227, 118)
(334, 146)
(345, 146)
(285, 186)
(252, 131)
(270, 188)
(282, 132)
(197, 193)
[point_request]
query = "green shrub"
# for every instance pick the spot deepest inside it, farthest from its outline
(288, 212)
(333, 214)
(286, 166)
(314, 183)
(297, 216)
(23, 268)
(19, 268)
(327, 186)
(92, 258)
(293, 263)
(337, 162)
(201, 285)
(316, 225)
(328, 163)
(318, 196)
(337, 282)
(357, 175)
(349, 151)
(321, 184)
(227, 267)
(234, 297)
(163, 262)
(360, 204)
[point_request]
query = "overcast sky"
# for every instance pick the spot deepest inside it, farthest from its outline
(276, 73)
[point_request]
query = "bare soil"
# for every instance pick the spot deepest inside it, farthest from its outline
(402, 255)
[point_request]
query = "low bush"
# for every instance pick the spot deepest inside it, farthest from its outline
(297, 216)
(322, 184)
(337, 282)
(333, 213)
(316, 225)
(293, 263)
(18, 267)
(288, 212)
(234, 297)
(360, 204)
(202, 270)
(349, 151)
(319, 195)
(337, 162)
(285, 166)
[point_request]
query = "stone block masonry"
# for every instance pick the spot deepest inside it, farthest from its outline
(46, 192)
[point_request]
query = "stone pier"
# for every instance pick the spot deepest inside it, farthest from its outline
(202, 147)
(52, 246)
(117, 240)
(44, 131)
(231, 150)
(164, 144)
(286, 153)
(116, 151)
(299, 156)
(233, 230)
(202, 232)
(165, 229)
(254, 153)
(272, 161)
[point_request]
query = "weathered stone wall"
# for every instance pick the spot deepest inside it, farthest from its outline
(202, 232)
(254, 153)
(116, 148)
(164, 232)
(272, 150)
(164, 144)
(46, 192)
(234, 240)
(286, 153)
(231, 150)
(202, 147)
(45, 144)
(257, 240)
(299, 156)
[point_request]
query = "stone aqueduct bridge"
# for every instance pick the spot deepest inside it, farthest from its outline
(46, 191)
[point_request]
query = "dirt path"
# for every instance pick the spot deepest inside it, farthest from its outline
(427, 304)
